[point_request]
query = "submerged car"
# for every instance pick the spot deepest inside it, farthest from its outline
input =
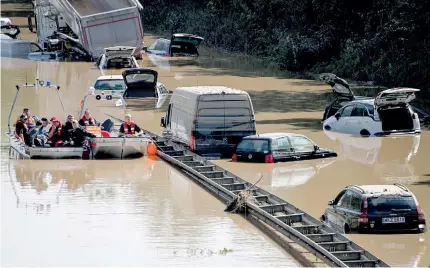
(388, 113)
(181, 44)
(142, 83)
(344, 95)
(118, 57)
(278, 147)
(375, 208)
(18, 48)
(112, 83)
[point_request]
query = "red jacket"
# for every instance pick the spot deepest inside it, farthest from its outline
(125, 126)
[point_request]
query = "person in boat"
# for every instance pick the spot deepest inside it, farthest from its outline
(68, 128)
(30, 120)
(55, 133)
(79, 134)
(129, 128)
(21, 129)
(88, 120)
(45, 124)
(38, 136)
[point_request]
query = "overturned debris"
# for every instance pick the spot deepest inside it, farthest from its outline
(238, 204)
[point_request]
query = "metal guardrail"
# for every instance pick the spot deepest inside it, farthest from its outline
(326, 244)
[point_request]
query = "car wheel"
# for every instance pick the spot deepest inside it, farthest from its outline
(327, 127)
(347, 229)
(364, 132)
(322, 218)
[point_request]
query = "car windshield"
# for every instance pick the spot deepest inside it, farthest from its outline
(139, 78)
(253, 145)
(117, 84)
(384, 204)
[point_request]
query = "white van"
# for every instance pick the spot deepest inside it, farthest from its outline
(209, 119)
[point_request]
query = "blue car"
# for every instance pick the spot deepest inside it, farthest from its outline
(181, 44)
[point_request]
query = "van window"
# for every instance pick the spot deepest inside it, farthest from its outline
(387, 204)
(253, 146)
(221, 112)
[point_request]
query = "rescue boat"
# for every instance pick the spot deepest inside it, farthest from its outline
(19, 150)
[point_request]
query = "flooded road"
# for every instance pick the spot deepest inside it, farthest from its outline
(162, 217)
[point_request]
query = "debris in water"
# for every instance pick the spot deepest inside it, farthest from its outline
(238, 204)
(225, 251)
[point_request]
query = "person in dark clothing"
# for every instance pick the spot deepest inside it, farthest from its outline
(68, 128)
(79, 134)
(88, 120)
(21, 129)
(129, 128)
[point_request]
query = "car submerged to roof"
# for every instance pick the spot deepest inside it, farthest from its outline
(389, 113)
(13, 48)
(181, 44)
(278, 147)
(117, 57)
(375, 208)
(344, 95)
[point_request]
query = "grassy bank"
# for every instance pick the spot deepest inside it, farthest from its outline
(380, 41)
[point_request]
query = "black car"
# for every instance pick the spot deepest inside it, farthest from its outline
(181, 44)
(375, 208)
(278, 147)
(344, 95)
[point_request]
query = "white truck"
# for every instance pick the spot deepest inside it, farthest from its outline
(93, 24)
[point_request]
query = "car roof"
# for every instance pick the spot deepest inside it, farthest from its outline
(377, 190)
(274, 135)
(211, 90)
(110, 77)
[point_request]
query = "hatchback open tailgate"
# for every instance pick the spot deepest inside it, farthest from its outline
(395, 97)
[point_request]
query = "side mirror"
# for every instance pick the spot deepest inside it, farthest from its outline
(337, 116)
(331, 202)
(92, 90)
(316, 147)
(170, 92)
(163, 122)
(145, 48)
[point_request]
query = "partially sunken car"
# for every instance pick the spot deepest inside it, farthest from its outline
(117, 57)
(181, 44)
(278, 147)
(388, 113)
(344, 95)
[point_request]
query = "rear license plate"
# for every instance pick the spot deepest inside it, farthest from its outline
(394, 220)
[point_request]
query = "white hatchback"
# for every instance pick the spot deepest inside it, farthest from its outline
(388, 113)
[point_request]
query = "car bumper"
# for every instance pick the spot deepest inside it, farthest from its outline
(421, 228)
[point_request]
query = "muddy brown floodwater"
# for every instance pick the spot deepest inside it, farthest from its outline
(145, 212)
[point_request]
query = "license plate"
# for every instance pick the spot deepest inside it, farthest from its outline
(393, 220)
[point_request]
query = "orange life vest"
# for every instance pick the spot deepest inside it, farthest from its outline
(125, 126)
(87, 121)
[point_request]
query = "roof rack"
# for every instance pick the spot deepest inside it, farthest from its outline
(401, 186)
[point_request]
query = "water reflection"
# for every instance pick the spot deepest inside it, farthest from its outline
(389, 156)
(280, 175)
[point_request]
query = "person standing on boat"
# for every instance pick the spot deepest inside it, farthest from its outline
(129, 128)
(55, 133)
(68, 128)
(88, 119)
(21, 129)
(30, 120)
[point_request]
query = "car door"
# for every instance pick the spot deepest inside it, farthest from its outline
(359, 119)
(302, 146)
(283, 150)
(341, 210)
(342, 123)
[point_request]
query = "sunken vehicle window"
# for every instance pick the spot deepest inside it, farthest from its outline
(110, 84)
(253, 145)
(388, 204)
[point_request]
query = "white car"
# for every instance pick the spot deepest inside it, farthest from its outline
(5, 21)
(388, 113)
(118, 57)
(110, 84)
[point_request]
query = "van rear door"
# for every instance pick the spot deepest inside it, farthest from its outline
(222, 121)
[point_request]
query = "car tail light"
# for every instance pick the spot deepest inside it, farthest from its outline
(269, 159)
(192, 143)
(93, 144)
(421, 215)
(363, 218)
(234, 158)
